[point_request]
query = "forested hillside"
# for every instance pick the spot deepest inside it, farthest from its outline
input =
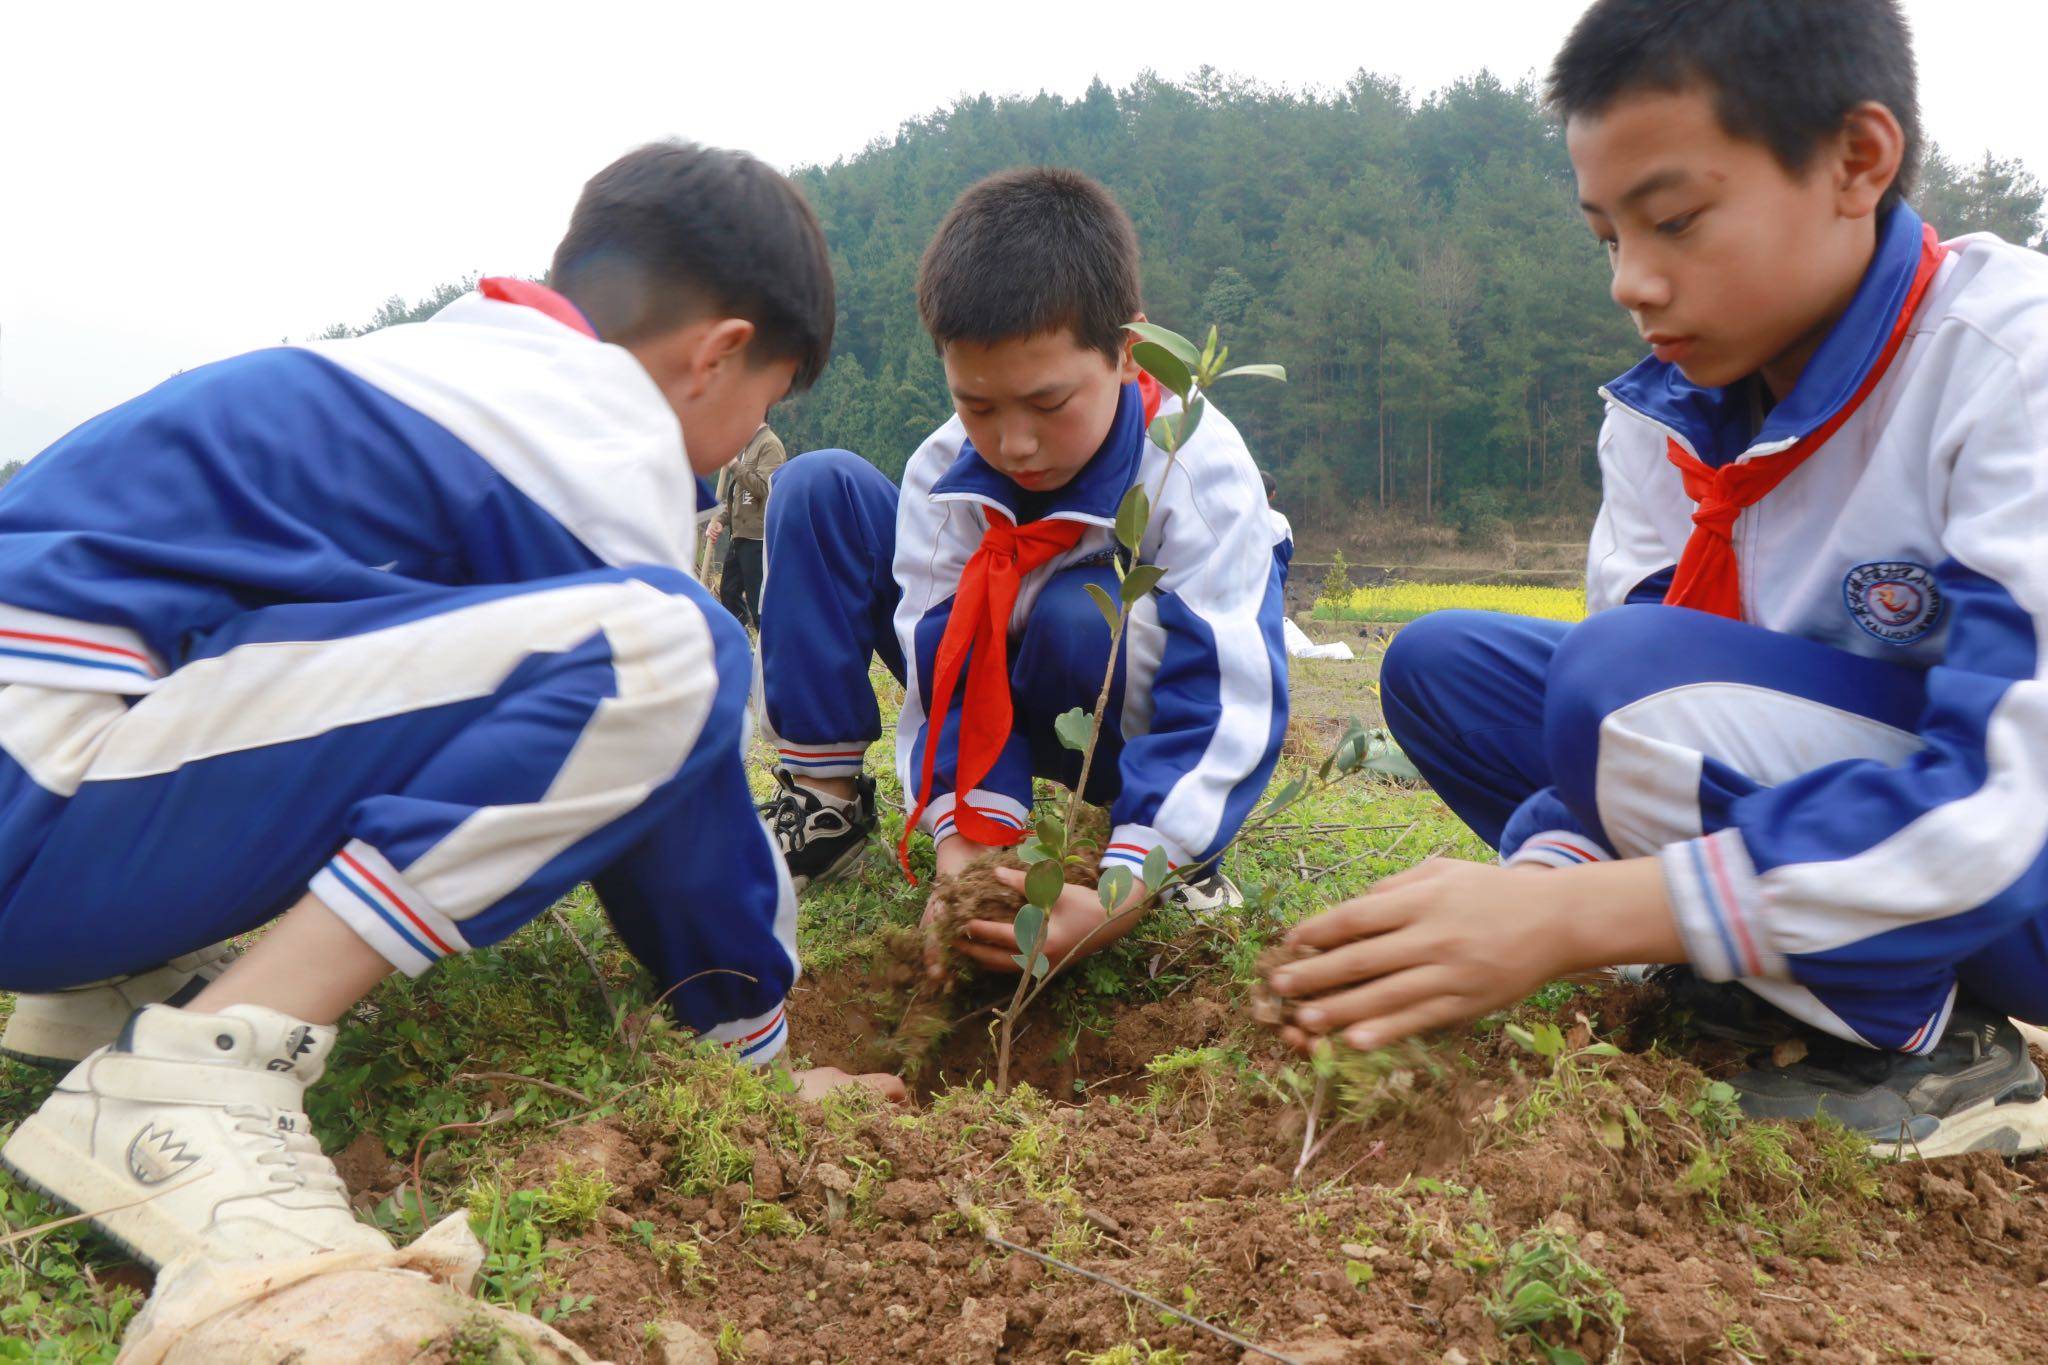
(1418, 265)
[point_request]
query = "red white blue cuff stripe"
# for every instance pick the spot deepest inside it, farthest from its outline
(1928, 1037)
(370, 896)
(55, 651)
(1002, 810)
(1129, 845)
(756, 1040)
(1557, 848)
(1719, 907)
(823, 760)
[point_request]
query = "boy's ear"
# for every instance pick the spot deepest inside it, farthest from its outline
(1129, 370)
(687, 360)
(1867, 155)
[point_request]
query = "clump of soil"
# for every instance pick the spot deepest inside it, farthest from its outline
(976, 893)
(1268, 1006)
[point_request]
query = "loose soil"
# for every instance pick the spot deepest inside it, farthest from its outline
(1389, 1247)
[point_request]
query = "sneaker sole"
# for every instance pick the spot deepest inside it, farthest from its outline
(61, 1174)
(842, 865)
(2010, 1130)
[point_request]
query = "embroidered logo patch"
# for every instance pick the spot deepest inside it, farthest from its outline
(1896, 601)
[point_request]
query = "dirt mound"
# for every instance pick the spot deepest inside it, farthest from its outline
(1482, 1198)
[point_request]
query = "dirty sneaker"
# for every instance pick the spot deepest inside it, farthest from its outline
(188, 1133)
(1719, 1009)
(59, 1029)
(1205, 895)
(1978, 1091)
(821, 836)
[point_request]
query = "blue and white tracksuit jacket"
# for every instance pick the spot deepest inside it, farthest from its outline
(406, 619)
(1849, 789)
(856, 568)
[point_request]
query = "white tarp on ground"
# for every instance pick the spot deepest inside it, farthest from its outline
(1301, 647)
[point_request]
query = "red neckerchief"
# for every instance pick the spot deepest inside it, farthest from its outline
(1708, 578)
(505, 289)
(978, 632)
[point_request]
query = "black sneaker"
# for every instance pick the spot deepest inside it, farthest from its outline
(1719, 1009)
(1978, 1091)
(821, 836)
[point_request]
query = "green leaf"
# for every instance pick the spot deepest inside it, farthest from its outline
(1184, 423)
(1165, 367)
(1030, 929)
(1132, 517)
(1285, 797)
(1278, 372)
(1140, 581)
(1174, 343)
(1042, 884)
(1040, 965)
(1031, 851)
(1052, 831)
(1382, 755)
(1073, 728)
(1161, 432)
(1114, 886)
(1156, 868)
(1105, 604)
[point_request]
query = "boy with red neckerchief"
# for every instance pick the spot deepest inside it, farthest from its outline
(971, 581)
(1799, 753)
(393, 641)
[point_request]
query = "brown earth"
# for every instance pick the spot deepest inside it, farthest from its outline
(1389, 1247)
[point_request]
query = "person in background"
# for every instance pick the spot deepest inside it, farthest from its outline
(742, 523)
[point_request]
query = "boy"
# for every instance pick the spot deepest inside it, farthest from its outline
(1802, 743)
(396, 636)
(1006, 514)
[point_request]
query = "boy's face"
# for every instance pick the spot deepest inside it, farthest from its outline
(1038, 407)
(1729, 264)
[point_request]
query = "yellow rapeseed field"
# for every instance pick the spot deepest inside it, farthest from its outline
(1406, 601)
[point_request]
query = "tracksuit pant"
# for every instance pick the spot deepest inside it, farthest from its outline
(1641, 729)
(828, 606)
(438, 768)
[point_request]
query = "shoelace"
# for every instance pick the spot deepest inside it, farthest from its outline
(293, 1159)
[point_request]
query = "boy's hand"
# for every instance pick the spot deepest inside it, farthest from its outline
(1451, 940)
(819, 1081)
(1435, 945)
(1074, 927)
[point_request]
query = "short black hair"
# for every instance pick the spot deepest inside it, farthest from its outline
(673, 230)
(1029, 251)
(1269, 483)
(1784, 73)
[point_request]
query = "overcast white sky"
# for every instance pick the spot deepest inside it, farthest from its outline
(180, 182)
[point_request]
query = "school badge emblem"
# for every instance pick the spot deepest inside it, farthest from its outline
(1897, 602)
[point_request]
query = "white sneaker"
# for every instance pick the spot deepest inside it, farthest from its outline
(1205, 897)
(62, 1028)
(188, 1134)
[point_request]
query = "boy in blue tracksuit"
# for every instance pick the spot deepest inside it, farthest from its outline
(394, 638)
(1799, 752)
(1005, 518)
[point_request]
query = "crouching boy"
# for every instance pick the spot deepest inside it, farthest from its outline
(390, 640)
(983, 558)
(1801, 746)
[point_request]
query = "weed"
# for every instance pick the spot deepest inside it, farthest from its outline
(759, 1218)
(682, 1262)
(1140, 1352)
(1545, 1282)
(573, 1199)
(703, 1109)
(728, 1342)
(516, 1255)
